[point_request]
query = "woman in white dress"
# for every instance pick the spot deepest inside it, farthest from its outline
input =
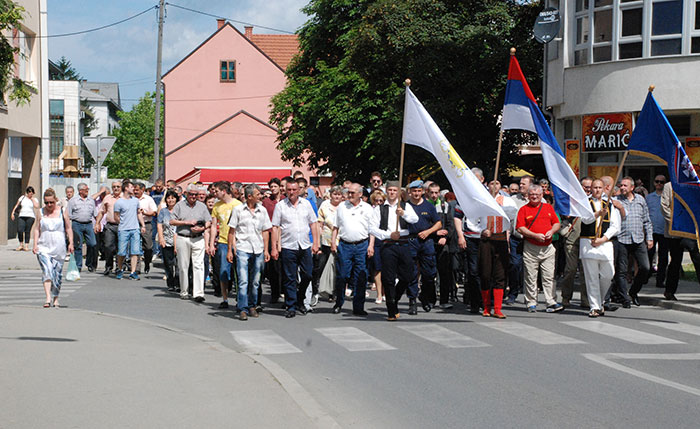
(50, 245)
(27, 205)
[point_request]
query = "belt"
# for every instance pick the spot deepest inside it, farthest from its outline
(401, 240)
(144, 222)
(189, 236)
(113, 223)
(84, 223)
(354, 242)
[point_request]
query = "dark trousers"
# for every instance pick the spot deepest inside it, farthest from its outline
(147, 245)
(83, 233)
(493, 263)
(446, 275)
(660, 244)
(639, 252)
(24, 229)
(351, 267)
(111, 238)
(320, 262)
(515, 271)
(423, 253)
(170, 261)
(298, 261)
(472, 290)
(676, 246)
(396, 262)
(273, 273)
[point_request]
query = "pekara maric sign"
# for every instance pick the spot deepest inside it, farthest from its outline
(606, 132)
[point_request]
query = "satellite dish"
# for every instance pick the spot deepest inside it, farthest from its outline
(547, 25)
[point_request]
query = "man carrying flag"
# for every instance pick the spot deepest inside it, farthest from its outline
(653, 137)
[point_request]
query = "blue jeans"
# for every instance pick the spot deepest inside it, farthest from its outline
(249, 266)
(223, 264)
(293, 262)
(129, 243)
(351, 265)
(515, 273)
(83, 232)
(423, 252)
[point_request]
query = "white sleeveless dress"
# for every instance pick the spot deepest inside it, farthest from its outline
(52, 241)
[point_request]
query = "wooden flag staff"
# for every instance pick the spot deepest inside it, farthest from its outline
(500, 138)
(406, 83)
(624, 156)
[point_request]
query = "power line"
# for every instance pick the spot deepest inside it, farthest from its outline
(211, 99)
(228, 19)
(75, 33)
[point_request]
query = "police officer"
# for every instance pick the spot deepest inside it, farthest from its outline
(422, 247)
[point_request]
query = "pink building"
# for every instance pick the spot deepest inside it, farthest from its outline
(217, 107)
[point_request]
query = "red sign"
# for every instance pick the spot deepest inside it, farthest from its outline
(606, 132)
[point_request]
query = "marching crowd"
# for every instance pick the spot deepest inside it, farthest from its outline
(415, 241)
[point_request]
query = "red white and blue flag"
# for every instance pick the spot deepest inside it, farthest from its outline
(520, 112)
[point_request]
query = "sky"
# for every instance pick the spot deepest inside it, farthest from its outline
(126, 53)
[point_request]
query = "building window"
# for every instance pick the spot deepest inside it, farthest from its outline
(228, 71)
(14, 159)
(609, 30)
(26, 46)
(57, 126)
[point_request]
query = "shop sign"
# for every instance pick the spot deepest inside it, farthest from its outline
(606, 132)
(573, 155)
(692, 149)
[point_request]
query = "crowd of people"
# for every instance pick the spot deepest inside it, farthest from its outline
(415, 241)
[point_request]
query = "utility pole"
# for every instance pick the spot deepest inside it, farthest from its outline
(159, 64)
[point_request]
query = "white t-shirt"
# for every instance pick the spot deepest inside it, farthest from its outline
(26, 206)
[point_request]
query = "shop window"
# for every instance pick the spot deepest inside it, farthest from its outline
(228, 71)
(680, 124)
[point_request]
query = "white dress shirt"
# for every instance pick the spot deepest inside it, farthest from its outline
(249, 226)
(409, 215)
(294, 223)
(147, 204)
(605, 251)
(353, 221)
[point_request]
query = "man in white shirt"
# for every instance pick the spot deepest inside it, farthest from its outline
(292, 220)
(148, 209)
(597, 251)
(248, 238)
(390, 224)
(351, 225)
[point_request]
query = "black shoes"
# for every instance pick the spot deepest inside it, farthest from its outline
(359, 313)
(91, 269)
(302, 311)
(336, 310)
(626, 304)
(427, 307)
(198, 299)
(670, 297)
(412, 307)
(107, 271)
(635, 300)
(289, 314)
(224, 304)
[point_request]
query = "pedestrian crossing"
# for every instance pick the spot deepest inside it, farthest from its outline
(354, 339)
(25, 287)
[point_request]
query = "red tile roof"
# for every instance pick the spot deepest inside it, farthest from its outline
(279, 47)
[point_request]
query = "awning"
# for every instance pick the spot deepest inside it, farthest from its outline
(243, 175)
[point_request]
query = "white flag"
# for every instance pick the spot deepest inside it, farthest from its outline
(419, 129)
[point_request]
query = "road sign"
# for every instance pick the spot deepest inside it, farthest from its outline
(547, 25)
(99, 147)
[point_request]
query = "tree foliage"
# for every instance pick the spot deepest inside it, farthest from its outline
(132, 154)
(342, 108)
(11, 15)
(65, 71)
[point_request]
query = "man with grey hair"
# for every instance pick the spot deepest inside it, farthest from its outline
(248, 238)
(537, 222)
(192, 220)
(81, 211)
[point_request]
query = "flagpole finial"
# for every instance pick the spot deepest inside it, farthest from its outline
(407, 82)
(512, 51)
(651, 88)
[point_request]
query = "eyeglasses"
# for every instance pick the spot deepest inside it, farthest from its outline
(659, 181)
(352, 192)
(49, 202)
(376, 180)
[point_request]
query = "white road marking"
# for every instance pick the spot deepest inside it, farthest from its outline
(353, 339)
(531, 333)
(606, 359)
(680, 327)
(264, 342)
(622, 333)
(443, 336)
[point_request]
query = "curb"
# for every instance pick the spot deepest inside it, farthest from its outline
(313, 410)
(670, 305)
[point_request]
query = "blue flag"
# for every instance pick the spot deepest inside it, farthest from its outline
(654, 138)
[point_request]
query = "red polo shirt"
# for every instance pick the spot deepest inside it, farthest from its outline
(542, 224)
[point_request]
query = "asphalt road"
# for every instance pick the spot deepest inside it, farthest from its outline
(633, 368)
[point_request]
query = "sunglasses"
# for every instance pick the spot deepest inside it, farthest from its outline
(376, 181)
(49, 202)
(659, 181)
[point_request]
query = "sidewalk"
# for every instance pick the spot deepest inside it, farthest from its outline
(12, 260)
(75, 368)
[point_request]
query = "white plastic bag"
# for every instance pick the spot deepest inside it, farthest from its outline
(72, 275)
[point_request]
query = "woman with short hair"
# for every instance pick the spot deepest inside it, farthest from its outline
(27, 205)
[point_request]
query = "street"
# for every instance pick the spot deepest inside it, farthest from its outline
(631, 368)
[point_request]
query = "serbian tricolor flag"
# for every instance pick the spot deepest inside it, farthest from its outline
(520, 112)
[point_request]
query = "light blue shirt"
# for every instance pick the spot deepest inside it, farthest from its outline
(128, 213)
(657, 218)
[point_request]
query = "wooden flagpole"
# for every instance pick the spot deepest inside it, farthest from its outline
(406, 83)
(500, 138)
(624, 156)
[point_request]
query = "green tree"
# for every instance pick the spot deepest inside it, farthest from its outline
(342, 109)
(11, 15)
(132, 154)
(65, 71)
